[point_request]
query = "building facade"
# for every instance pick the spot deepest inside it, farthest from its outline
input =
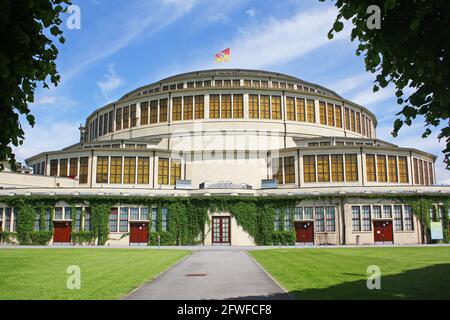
(238, 133)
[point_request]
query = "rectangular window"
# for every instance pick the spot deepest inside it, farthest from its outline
(73, 171)
(409, 225)
(337, 167)
(129, 170)
(113, 217)
(363, 123)
(226, 106)
(301, 111)
(188, 108)
(102, 169)
(175, 171)
(100, 126)
(323, 168)
(376, 212)
(381, 168)
(298, 213)
(116, 170)
(356, 218)
(290, 108)
(63, 166)
(176, 109)
(84, 169)
(338, 113)
(238, 106)
(425, 172)
(370, 168)
(78, 219)
(119, 119)
(310, 111)
(320, 219)
(153, 111)
(322, 113)
(236, 83)
(330, 115)
(430, 172)
(199, 107)
(58, 213)
(54, 167)
(277, 223)
(143, 170)
(330, 219)
(392, 168)
(134, 214)
(276, 107)
(68, 213)
(37, 220)
(351, 167)
(163, 171)
(164, 219)
(366, 220)
(358, 122)
(214, 106)
(87, 219)
(253, 106)
(387, 212)
(403, 169)
(163, 110)
(352, 119)
(123, 224)
(289, 170)
(110, 121)
(133, 115)
(264, 106)
(126, 117)
(277, 170)
(347, 119)
(144, 214)
(398, 218)
(416, 171)
(154, 219)
(308, 212)
(421, 172)
(309, 168)
(287, 220)
(144, 113)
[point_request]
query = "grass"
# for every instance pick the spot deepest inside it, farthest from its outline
(105, 273)
(341, 273)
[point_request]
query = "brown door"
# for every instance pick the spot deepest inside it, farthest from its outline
(304, 231)
(138, 232)
(61, 232)
(221, 233)
(382, 231)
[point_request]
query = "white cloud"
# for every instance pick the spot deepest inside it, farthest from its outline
(349, 84)
(112, 81)
(251, 12)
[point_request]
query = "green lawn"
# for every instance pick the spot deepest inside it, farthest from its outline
(341, 273)
(105, 273)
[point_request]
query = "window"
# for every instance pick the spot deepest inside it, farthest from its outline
(188, 108)
(330, 115)
(277, 219)
(110, 121)
(290, 108)
(73, 171)
(163, 171)
(100, 126)
(144, 113)
(347, 119)
(164, 219)
(175, 171)
(323, 168)
(363, 123)
(113, 216)
(430, 172)
(337, 167)
(275, 84)
(58, 213)
(63, 166)
(309, 168)
(144, 214)
(308, 211)
(338, 113)
(256, 83)
(416, 171)
(153, 111)
(366, 220)
(381, 168)
(199, 107)
(310, 111)
(143, 170)
(403, 169)
(265, 107)
(37, 219)
(421, 172)
(425, 174)
(119, 119)
(408, 218)
(218, 83)
(78, 219)
(154, 219)
(370, 168)
(7, 227)
(320, 219)
(301, 112)
(68, 213)
(287, 220)
(298, 213)
(87, 219)
(214, 106)
(134, 214)
(398, 218)
(289, 170)
(238, 106)
(176, 109)
(226, 106)
(387, 212)
(54, 167)
(356, 218)
(102, 169)
(84, 170)
(277, 170)
(322, 113)
(276, 107)
(126, 117)
(116, 170)
(129, 170)
(351, 167)
(330, 219)
(353, 122)
(358, 122)
(163, 110)
(253, 106)
(376, 212)
(236, 83)
(392, 168)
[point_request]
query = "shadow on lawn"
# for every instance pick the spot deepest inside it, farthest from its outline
(432, 282)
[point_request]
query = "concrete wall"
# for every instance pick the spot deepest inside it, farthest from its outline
(18, 180)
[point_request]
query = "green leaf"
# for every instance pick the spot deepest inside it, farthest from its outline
(338, 26)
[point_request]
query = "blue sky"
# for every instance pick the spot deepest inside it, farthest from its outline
(124, 44)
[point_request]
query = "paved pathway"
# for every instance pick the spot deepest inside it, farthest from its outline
(213, 274)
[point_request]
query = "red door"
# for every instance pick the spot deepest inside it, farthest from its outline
(382, 231)
(139, 232)
(221, 233)
(61, 232)
(304, 231)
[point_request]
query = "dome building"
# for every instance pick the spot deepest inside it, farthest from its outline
(238, 133)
